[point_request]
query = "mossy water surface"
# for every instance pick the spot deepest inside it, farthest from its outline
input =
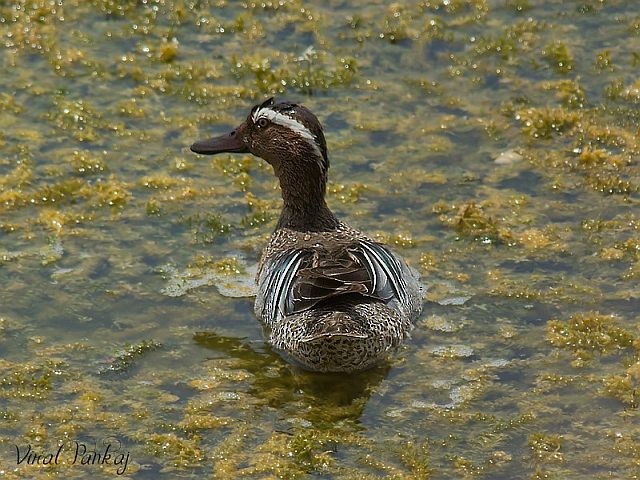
(493, 144)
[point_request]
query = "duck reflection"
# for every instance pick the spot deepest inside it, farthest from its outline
(277, 383)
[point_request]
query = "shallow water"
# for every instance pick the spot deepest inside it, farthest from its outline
(494, 144)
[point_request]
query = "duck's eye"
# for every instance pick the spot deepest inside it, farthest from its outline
(262, 122)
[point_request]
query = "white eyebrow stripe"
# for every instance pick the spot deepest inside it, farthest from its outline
(254, 115)
(291, 123)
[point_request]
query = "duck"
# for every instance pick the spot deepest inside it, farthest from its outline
(332, 299)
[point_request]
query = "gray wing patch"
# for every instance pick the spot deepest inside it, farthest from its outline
(388, 282)
(298, 280)
(275, 285)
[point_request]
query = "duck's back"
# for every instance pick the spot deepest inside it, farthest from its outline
(335, 300)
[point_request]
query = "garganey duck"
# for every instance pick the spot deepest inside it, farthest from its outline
(333, 299)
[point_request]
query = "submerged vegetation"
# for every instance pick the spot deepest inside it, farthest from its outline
(124, 359)
(589, 332)
(494, 143)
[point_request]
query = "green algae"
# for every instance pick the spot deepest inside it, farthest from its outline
(589, 331)
(624, 388)
(418, 101)
(85, 163)
(306, 73)
(260, 211)
(206, 227)
(559, 57)
(178, 451)
(125, 358)
(346, 193)
(546, 448)
(543, 123)
(77, 116)
(570, 93)
(28, 382)
(471, 221)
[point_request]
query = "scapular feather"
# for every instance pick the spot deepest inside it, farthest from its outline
(300, 279)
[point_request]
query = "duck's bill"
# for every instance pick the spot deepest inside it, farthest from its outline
(231, 143)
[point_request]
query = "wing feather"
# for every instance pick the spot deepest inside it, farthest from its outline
(275, 284)
(299, 279)
(388, 268)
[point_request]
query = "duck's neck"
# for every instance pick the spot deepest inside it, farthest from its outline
(305, 208)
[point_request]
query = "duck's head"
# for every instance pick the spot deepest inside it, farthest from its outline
(286, 135)
(289, 137)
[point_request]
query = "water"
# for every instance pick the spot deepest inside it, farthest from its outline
(493, 144)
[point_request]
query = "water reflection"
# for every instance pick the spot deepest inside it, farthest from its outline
(325, 397)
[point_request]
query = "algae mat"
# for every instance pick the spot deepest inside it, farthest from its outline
(494, 144)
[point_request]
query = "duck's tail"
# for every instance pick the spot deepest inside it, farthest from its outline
(340, 340)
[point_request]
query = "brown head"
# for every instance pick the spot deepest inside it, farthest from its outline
(289, 137)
